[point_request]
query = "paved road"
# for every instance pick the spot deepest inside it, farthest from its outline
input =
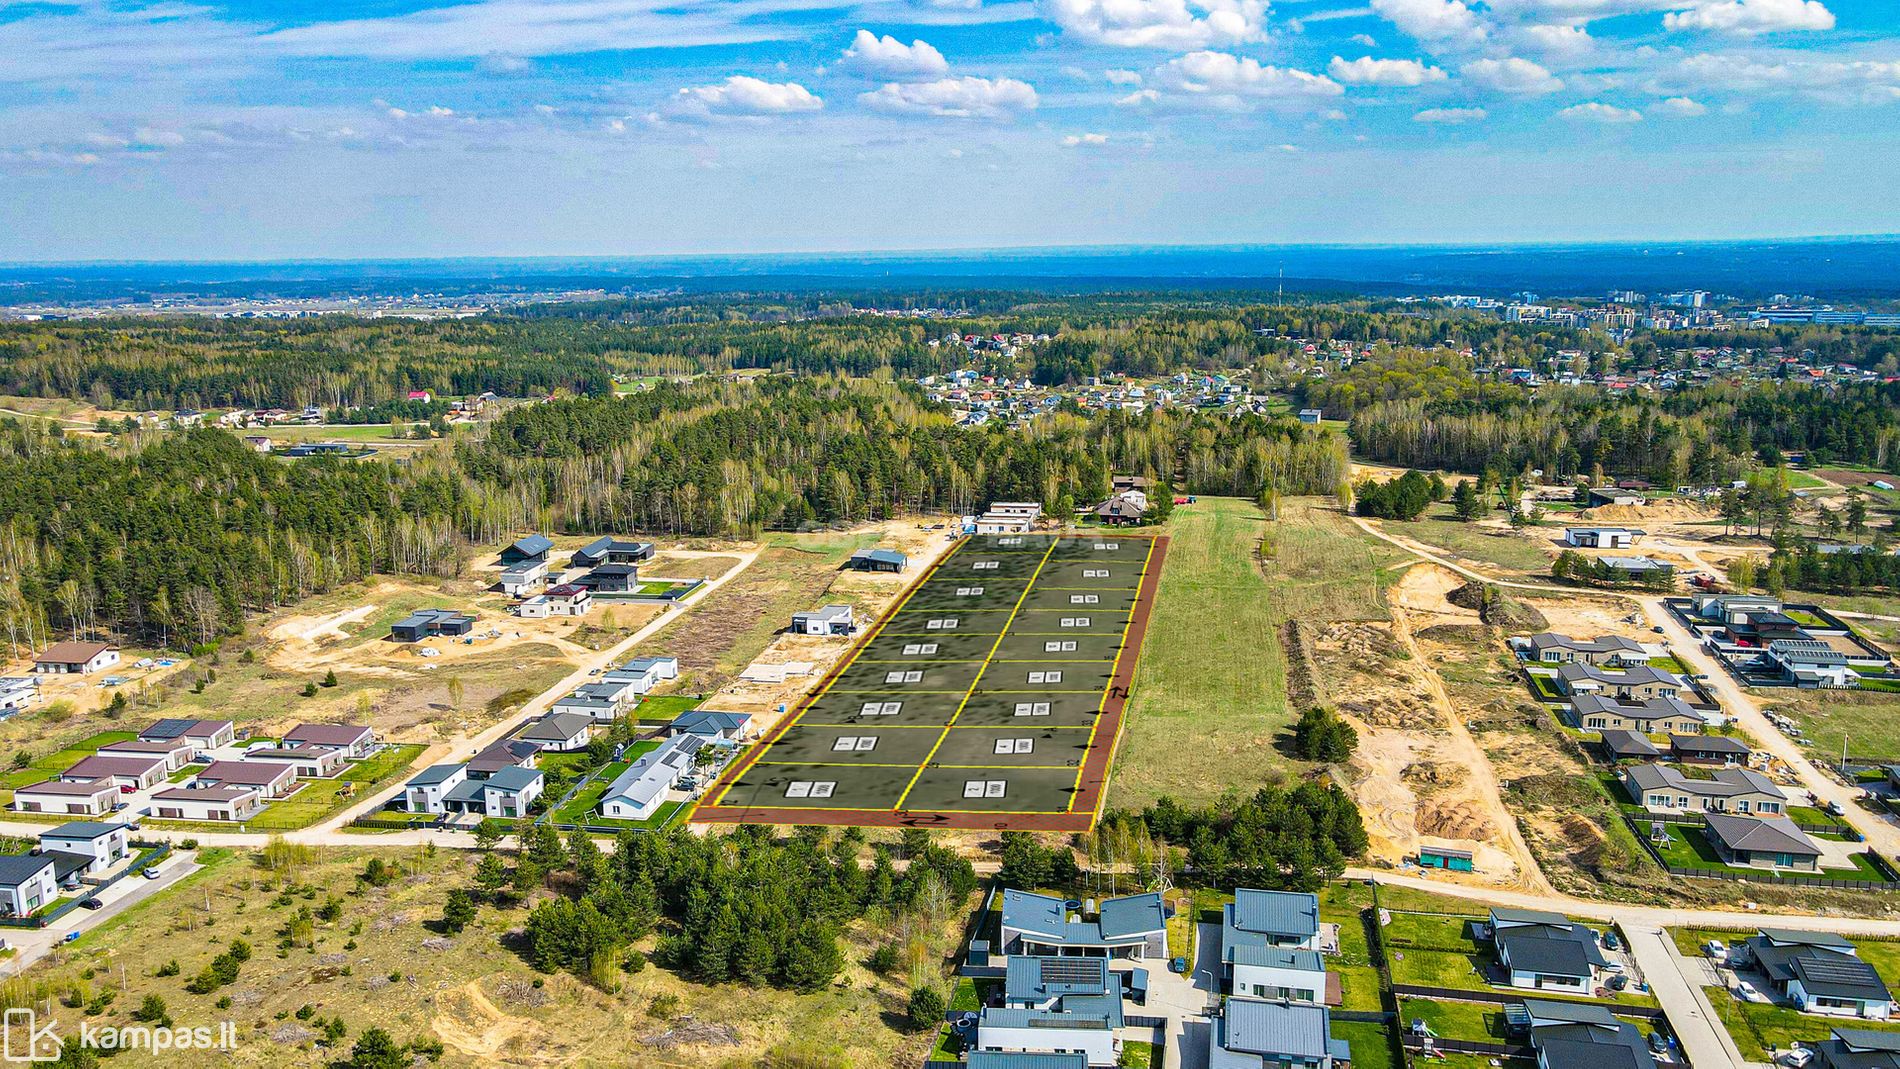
(32, 944)
(1705, 1041)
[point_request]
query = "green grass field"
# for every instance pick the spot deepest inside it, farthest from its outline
(1689, 847)
(1218, 607)
(60, 760)
(1867, 721)
(1504, 551)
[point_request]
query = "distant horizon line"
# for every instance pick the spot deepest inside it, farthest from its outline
(954, 251)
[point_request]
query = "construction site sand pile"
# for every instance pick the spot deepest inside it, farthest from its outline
(1655, 512)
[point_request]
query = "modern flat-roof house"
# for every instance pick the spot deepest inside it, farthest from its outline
(559, 732)
(610, 550)
(830, 620)
(878, 560)
(176, 753)
(711, 725)
(1256, 1034)
(1602, 537)
(1577, 1035)
(612, 579)
(18, 692)
(75, 799)
(270, 779)
(1734, 608)
(1624, 745)
(306, 761)
(1665, 789)
(639, 792)
(1857, 1048)
(354, 740)
(1637, 568)
(1545, 951)
(426, 789)
(427, 623)
(530, 547)
(1635, 684)
(201, 734)
(1808, 662)
(26, 883)
(1762, 842)
(1608, 650)
(126, 773)
(75, 658)
(568, 599)
(1652, 716)
(642, 674)
(1819, 972)
(1134, 926)
(1009, 517)
(1709, 750)
(581, 702)
(521, 579)
(101, 843)
(234, 803)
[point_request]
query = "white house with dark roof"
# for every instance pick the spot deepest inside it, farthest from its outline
(639, 792)
(355, 741)
(827, 621)
(1258, 1034)
(1545, 951)
(508, 793)
(26, 883)
(559, 732)
(1270, 945)
(235, 803)
(74, 799)
(424, 792)
(1819, 972)
(1652, 716)
(1132, 926)
(102, 843)
(76, 658)
(1602, 537)
(712, 725)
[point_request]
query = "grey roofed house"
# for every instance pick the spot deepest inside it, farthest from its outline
(1722, 783)
(1243, 953)
(1503, 917)
(1036, 914)
(1635, 676)
(1708, 747)
(1022, 1059)
(530, 547)
(1132, 916)
(1543, 1011)
(1280, 915)
(653, 773)
(514, 779)
(878, 560)
(504, 754)
(178, 728)
(1038, 980)
(1591, 1046)
(1628, 745)
(1651, 712)
(1791, 937)
(16, 869)
(1636, 565)
(610, 550)
(1822, 964)
(556, 727)
(1277, 1032)
(1134, 924)
(433, 775)
(74, 831)
(710, 724)
(1764, 835)
(1807, 652)
(1603, 646)
(1534, 951)
(1857, 1048)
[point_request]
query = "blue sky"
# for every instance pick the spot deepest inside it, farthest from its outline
(174, 129)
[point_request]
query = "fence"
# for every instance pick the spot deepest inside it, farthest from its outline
(1880, 864)
(155, 852)
(1506, 998)
(1844, 831)
(1415, 1044)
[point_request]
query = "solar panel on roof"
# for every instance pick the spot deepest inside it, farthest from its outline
(1837, 971)
(1070, 971)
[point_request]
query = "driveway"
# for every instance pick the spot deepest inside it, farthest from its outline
(32, 944)
(1676, 983)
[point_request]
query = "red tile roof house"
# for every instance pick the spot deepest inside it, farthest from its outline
(273, 780)
(354, 740)
(126, 773)
(176, 752)
(308, 762)
(73, 799)
(209, 803)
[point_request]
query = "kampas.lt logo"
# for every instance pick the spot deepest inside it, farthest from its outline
(25, 1039)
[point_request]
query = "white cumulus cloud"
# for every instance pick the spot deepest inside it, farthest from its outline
(1074, 140)
(887, 57)
(1752, 16)
(1608, 114)
(744, 95)
(1369, 71)
(1443, 21)
(1450, 116)
(1159, 23)
(1513, 75)
(958, 98)
(1218, 79)
(1681, 107)
(1122, 77)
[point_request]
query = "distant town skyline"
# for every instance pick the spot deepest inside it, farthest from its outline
(165, 130)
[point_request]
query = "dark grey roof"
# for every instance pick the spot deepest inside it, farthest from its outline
(882, 556)
(1017, 1059)
(1625, 743)
(556, 727)
(1272, 957)
(513, 778)
(532, 545)
(1535, 951)
(1552, 1011)
(16, 869)
(1040, 979)
(1502, 916)
(1830, 974)
(83, 829)
(1281, 1029)
(1796, 937)
(1284, 913)
(709, 721)
(1132, 915)
(1721, 744)
(1647, 709)
(1776, 835)
(1027, 911)
(433, 775)
(1723, 783)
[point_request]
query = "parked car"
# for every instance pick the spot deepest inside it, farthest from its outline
(70, 936)
(1836, 808)
(1716, 949)
(91, 903)
(150, 872)
(1747, 993)
(1611, 940)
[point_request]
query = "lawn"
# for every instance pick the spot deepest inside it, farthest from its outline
(1689, 847)
(1503, 551)
(1474, 1021)
(60, 760)
(1545, 686)
(1668, 664)
(1212, 667)
(323, 798)
(1427, 931)
(1372, 1046)
(666, 706)
(1867, 721)
(580, 808)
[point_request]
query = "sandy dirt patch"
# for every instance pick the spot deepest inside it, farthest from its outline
(474, 1026)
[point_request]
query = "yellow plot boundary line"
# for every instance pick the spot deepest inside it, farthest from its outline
(1076, 788)
(908, 787)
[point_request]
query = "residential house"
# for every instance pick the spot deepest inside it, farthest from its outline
(1808, 662)
(1255, 1034)
(1312, 416)
(1819, 972)
(1709, 750)
(102, 843)
(128, 774)
(1733, 609)
(424, 791)
(1639, 683)
(584, 702)
(1545, 951)
(232, 803)
(610, 550)
(642, 674)
(75, 799)
(1134, 926)
(203, 735)
(531, 547)
(427, 623)
(559, 732)
(354, 741)
(27, 883)
(1666, 789)
(1762, 842)
(878, 560)
(1578, 1035)
(1269, 944)
(17, 692)
(1637, 568)
(176, 753)
(830, 620)
(1602, 537)
(521, 579)
(508, 753)
(639, 792)
(304, 760)
(270, 779)
(568, 599)
(1055, 1005)
(1856, 1048)
(1652, 716)
(612, 579)
(1009, 517)
(76, 658)
(711, 725)
(1623, 745)
(1609, 650)
(1123, 509)
(507, 794)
